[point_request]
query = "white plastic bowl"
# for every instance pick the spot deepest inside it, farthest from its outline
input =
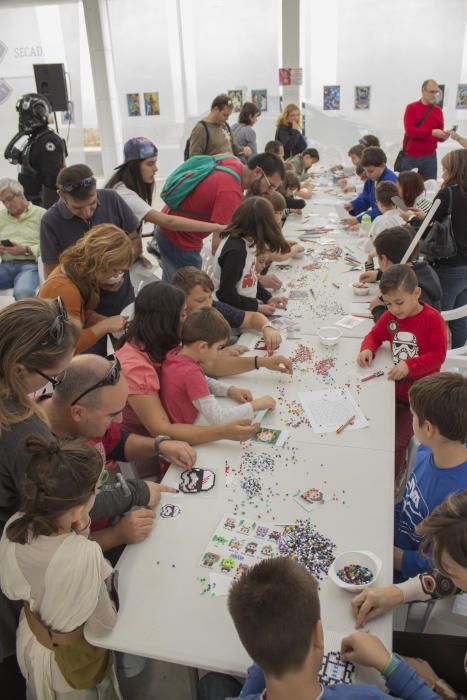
(329, 335)
(362, 557)
(360, 291)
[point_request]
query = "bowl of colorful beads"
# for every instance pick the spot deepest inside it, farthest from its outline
(355, 570)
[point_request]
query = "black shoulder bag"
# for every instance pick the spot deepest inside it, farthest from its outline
(401, 154)
(439, 242)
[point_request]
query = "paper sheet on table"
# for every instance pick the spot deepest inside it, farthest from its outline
(329, 409)
(342, 211)
(349, 322)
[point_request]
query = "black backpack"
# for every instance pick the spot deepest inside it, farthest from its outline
(186, 152)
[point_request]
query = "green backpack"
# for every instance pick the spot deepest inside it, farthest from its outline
(187, 177)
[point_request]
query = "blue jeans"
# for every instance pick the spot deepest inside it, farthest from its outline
(20, 275)
(453, 280)
(427, 165)
(173, 258)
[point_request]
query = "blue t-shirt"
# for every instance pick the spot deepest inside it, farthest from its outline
(403, 683)
(427, 487)
(365, 203)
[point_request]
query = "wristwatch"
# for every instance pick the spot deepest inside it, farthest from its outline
(158, 440)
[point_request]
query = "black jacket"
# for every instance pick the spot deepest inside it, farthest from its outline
(429, 283)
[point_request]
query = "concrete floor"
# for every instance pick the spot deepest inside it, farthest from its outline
(158, 681)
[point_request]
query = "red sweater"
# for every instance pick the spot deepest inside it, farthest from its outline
(421, 142)
(420, 340)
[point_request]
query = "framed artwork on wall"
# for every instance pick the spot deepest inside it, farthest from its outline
(260, 99)
(151, 104)
(133, 105)
(237, 99)
(285, 76)
(331, 97)
(440, 100)
(461, 100)
(362, 97)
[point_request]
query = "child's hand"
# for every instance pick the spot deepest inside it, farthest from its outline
(271, 282)
(348, 206)
(296, 248)
(155, 491)
(369, 276)
(399, 371)
(240, 395)
(235, 350)
(239, 430)
(279, 302)
(276, 363)
(272, 338)
(365, 649)
(263, 402)
(178, 452)
(365, 358)
(135, 526)
(266, 309)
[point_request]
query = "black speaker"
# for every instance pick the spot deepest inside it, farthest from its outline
(51, 82)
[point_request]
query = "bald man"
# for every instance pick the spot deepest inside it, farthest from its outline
(424, 128)
(88, 404)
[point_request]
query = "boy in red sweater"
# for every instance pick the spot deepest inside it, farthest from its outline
(418, 338)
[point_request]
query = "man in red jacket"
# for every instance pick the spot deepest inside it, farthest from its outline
(420, 142)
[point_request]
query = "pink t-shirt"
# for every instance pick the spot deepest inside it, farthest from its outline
(182, 381)
(142, 377)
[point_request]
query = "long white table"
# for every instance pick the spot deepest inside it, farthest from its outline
(162, 614)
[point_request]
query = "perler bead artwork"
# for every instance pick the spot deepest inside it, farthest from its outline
(335, 670)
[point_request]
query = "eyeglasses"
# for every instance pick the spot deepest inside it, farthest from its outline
(269, 183)
(110, 379)
(53, 380)
(85, 183)
(56, 331)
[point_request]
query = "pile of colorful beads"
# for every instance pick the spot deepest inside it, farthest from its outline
(355, 574)
(306, 545)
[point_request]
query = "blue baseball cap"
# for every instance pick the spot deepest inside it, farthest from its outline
(138, 148)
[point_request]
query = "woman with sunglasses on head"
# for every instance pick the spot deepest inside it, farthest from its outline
(99, 258)
(65, 584)
(36, 345)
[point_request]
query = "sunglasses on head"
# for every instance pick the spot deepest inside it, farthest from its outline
(111, 378)
(56, 332)
(85, 183)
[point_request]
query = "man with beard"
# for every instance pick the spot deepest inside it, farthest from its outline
(215, 199)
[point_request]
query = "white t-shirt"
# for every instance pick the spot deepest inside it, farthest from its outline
(387, 220)
(137, 205)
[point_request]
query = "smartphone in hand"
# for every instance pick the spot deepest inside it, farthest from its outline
(399, 202)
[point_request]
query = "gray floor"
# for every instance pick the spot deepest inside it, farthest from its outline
(158, 681)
